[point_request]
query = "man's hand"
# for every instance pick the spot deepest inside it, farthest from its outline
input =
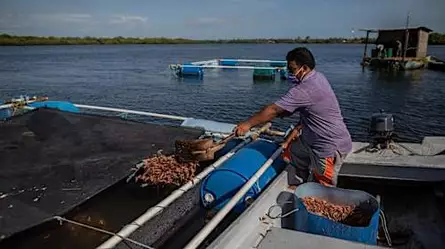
(242, 128)
(266, 114)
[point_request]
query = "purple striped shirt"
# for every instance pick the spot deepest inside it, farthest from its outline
(323, 127)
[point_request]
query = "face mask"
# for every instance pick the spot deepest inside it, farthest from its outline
(293, 77)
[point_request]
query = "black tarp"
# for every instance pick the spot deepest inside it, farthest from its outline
(51, 161)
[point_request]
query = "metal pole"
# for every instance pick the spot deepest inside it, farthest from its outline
(231, 67)
(259, 61)
(131, 111)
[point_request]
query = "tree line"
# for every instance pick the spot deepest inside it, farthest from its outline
(12, 40)
(437, 39)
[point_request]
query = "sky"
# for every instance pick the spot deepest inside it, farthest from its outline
(214, 19)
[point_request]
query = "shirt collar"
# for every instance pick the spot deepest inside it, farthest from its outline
(309, 76)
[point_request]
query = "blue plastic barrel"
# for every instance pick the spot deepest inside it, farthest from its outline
(315, 224)
(60, 105)
(232, 143)
(223, 183)
(191, 70)
(225, 62)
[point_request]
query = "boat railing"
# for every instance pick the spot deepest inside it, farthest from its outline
(127, 111)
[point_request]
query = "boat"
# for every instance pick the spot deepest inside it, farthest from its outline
(396, 63)
(413, 65)
(407, 180)
(436, 64)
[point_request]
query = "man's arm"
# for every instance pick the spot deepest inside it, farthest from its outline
(285, 106)
(266, 114)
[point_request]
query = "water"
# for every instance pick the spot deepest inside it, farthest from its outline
(137, 77)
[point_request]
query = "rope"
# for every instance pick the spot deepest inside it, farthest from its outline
(60, 219)
(279, 216)
(385, 228)
(17, 106)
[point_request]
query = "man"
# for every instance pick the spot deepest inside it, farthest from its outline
(318, 153)
(399, 49)
(380, 49)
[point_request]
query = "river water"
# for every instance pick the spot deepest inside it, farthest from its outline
(138, 77)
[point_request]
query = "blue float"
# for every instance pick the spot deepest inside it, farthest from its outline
(223, 183)
(226, 62)
(189, 70)
(261, 74)
(60, 105)
(315, 224)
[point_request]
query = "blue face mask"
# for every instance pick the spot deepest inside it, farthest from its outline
(293, 77)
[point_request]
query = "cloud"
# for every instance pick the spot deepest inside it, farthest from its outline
(126, 19)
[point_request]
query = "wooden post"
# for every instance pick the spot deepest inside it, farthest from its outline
(405, 47)
(365, 53)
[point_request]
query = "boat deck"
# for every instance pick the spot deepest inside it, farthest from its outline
(399, 163)
(412, 209)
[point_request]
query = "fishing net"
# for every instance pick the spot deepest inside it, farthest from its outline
(52, 161)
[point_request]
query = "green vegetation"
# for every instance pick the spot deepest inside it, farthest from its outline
(437, 39)
(10, 40)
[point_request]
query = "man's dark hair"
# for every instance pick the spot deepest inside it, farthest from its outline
(301, 56)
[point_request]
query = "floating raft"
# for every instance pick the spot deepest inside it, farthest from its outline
(262, 69)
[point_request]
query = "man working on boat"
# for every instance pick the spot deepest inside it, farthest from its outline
(318, 153)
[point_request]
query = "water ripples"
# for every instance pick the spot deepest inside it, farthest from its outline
(137, 77)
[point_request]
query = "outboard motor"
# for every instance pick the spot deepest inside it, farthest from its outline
(381, 129)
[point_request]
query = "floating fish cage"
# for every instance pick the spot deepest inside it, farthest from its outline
(264, 74)
(262, 69)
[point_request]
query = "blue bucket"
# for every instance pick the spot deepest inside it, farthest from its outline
(315, 224)
(223, 183)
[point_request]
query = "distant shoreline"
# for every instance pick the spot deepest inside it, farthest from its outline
(10, 40)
